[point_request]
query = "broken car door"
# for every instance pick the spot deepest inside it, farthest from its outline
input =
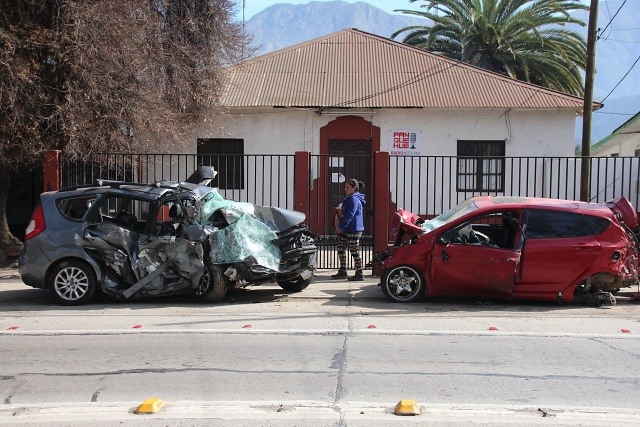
(560, 248)
(476, 258)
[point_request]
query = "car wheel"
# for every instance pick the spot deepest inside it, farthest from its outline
(403, 284)
(204, 284)
(216, 287)
(295, 285)
(72, 282)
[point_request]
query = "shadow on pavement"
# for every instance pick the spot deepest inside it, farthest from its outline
(323, 291)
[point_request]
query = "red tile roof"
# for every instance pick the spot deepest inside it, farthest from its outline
(354, 69)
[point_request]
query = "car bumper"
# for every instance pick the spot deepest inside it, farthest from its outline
(33, 265)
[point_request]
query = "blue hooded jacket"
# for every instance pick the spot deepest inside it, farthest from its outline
(353, 213)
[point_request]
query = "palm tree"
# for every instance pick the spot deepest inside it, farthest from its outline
(524, 39)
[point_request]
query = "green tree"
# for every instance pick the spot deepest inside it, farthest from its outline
(92, 75)
(527, 40)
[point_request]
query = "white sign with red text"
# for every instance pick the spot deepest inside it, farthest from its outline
(405, 143)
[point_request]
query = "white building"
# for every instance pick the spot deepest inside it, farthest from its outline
(624, 141)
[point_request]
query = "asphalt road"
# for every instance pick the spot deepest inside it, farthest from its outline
(335, 354)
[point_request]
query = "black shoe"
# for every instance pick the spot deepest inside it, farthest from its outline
(357, 277)
(341, 274)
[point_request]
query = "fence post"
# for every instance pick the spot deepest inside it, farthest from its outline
(301, 190)
(51, 170)
(381, 204)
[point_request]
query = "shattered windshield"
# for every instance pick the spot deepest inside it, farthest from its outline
(454, 213)
(240, 235)
(212, 202)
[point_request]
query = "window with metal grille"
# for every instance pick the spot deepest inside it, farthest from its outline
(226, 155)
(481, 166)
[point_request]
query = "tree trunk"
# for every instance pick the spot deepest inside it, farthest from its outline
(10, 246)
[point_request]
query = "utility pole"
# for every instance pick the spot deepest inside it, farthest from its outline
(585, 176)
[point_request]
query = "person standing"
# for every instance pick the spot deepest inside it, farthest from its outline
(350, 229)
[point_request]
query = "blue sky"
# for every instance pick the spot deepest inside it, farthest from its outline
(251, 7)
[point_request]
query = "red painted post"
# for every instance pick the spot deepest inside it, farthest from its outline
(301, 188)
(381, 204)
(51, 170)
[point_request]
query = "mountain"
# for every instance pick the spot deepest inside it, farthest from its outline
(618, 46)
(283, 25)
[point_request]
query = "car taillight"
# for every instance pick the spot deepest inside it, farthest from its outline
(37, 224)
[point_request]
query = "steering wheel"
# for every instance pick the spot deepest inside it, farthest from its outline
(484, 240)
(466, 236)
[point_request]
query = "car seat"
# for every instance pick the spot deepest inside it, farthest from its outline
(175, 212)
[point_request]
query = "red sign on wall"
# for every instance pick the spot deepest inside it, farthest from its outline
(405, 143)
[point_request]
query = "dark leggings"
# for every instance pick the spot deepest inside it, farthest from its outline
(352, 242)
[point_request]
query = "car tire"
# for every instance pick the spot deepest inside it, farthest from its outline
(217, 286)
(72, 282)
(295, 285)
(403, 284)
(204, 284)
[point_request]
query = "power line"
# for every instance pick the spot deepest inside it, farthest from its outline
(415, 79)
(623, 41)
(625, 29)
(611, 20)
(623, 77)
(614, 114)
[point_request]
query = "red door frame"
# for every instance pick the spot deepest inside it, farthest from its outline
(343, 127)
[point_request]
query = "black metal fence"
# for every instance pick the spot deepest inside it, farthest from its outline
(430, 185)
(260, 179)
(425, 185)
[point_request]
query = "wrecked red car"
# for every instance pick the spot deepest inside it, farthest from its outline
(515, 248)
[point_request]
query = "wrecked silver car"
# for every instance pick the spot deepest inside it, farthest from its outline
(130, 240)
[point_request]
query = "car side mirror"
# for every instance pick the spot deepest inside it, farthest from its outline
(443, 240)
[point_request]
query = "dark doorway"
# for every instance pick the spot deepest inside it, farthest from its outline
(346, 148)
(348, 159)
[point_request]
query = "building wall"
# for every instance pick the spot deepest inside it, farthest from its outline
(284, 131)
(621, 145)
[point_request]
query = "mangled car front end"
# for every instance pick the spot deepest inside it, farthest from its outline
(515, 248)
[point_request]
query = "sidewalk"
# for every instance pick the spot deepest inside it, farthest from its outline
(9, 269)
